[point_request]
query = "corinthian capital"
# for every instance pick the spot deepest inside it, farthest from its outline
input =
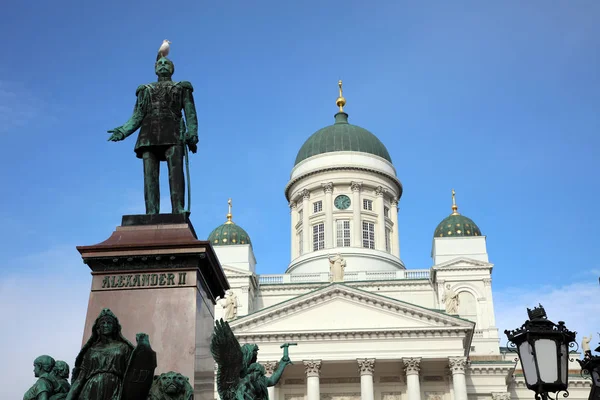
(293, 205)
(500, 396)
(327, 187)
(411, 365)
(457, 364)
(356, 186)
(305, 194)
(270, 367)
(312, 367)
(380, 191)
(366, 366)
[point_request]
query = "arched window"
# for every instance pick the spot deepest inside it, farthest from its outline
(467, 306)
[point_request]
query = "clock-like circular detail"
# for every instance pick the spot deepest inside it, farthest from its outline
(342, 202)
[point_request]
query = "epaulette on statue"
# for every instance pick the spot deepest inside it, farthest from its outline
(186, 85)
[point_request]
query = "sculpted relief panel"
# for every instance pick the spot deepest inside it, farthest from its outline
(391, 396)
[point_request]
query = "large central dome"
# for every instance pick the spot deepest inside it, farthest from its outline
(342, 136)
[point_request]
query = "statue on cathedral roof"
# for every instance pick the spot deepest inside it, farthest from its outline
(240, 376)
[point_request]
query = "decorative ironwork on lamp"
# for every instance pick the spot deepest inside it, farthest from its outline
(590, 366)
(543, 348)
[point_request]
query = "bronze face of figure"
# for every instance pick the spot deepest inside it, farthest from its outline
(61, 374)
(102, 362)
(163, 135)
(46, 385)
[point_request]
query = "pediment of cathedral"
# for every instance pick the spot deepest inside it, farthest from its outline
(233, 272)
(463, 263)
(340, 308)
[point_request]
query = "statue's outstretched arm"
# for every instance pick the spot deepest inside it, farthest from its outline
(273, 379)
(134, 123)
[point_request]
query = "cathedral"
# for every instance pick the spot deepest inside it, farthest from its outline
(366, 327)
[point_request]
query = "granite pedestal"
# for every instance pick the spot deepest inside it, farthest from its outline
(158, 278)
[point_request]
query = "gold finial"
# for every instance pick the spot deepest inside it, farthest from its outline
(341, 101)
(229, 221)
(454, 206)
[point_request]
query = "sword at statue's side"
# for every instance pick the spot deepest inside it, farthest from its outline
(183, 133)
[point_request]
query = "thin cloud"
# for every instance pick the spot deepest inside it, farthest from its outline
(575, 304)
(19, 107)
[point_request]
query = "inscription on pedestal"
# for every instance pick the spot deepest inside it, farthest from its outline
(143, 280)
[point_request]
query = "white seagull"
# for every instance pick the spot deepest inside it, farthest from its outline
(163, 51)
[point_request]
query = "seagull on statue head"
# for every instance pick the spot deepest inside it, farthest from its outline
(163, 51)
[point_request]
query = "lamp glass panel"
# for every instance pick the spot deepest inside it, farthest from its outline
(527, 362)
(564, 363)
(547, 359)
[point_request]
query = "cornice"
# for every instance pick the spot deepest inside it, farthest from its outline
(481, 368)
(459, 263)
(355, 335)
(331, 169)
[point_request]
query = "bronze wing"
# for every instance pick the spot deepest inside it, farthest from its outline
(227, 353)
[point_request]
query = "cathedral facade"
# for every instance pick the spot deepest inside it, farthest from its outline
(366, 327)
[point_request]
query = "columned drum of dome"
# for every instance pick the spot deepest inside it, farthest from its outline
(342, 136)
(229, 233)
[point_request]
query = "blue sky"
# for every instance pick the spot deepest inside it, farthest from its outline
(499, 100)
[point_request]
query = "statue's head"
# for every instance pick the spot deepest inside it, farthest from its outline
(61, 369)
(171, 385)
(42, 364)
(107, 324)
(164, 68)
(250, 353)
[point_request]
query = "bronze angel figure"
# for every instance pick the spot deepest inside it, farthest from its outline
(239, 376)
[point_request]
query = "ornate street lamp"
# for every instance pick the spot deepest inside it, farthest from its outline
(590, 366)
(543, 348)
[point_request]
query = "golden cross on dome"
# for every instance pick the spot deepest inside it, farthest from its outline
(454, 206)
(229, 221)
(341, 101)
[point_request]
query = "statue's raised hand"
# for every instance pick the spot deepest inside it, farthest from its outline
(116, 135)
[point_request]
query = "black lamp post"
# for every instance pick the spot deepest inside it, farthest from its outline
(590, 365)
(543, 348)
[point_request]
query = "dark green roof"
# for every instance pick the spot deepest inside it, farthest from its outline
(342, 136)
(228, 234)
(457, 225)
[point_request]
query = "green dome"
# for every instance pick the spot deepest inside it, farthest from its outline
(228, 234)
(342, 136)
(457, 225)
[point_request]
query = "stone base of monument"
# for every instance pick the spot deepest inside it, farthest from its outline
(158, 278)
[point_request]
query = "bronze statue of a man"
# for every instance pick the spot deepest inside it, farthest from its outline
(163, 135)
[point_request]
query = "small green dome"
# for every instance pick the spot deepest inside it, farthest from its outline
(457, 225)
(228, 234)
(342, 136)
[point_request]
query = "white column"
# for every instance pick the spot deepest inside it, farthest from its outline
(459, 383)
(491, 319)
(451, 385)
(366, 367)
(413, 386)
(396, 229)
(294, 221)
(329, 228)
(313, 370)
(379, 208)
(306, 229)
(270, 367)
(356, 207)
